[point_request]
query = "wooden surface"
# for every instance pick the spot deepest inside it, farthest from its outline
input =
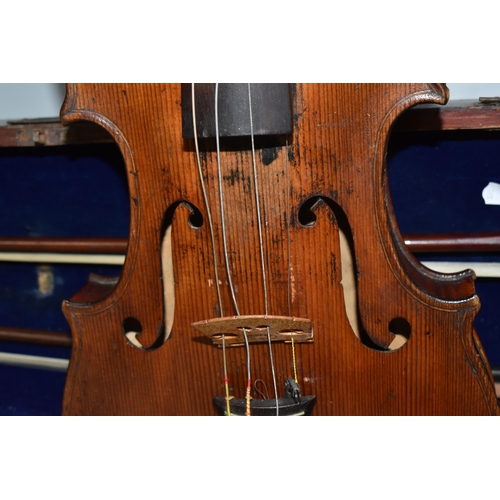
(456, 115)
(66, 245)
(326, 186)
(49, 132)
(473, 242)
(482, 242)
(29, 336)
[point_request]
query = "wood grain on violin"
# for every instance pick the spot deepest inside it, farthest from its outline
(318, 243)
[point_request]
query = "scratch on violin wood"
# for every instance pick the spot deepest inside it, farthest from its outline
(293, 291)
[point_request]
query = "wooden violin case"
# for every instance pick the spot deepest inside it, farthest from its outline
(265, 272)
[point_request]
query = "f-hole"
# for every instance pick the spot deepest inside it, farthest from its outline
(399, 327)
(195, 221)
(132, 327)
(401, 330)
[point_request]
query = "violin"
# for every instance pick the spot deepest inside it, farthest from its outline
(265, 273)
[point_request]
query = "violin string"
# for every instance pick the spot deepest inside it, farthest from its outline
(221, 199)
(224, 242)
(261, 246)
(259, 221)
(287, 184)
(207, 205)
(266, 395)
(294, 362)
(210, 224)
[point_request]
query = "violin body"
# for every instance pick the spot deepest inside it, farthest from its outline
(328, 253)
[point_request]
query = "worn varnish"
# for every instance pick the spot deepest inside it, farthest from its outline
(325, 208)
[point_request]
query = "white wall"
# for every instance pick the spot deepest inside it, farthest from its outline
(40, 100)
(30, 100)
(473, 90)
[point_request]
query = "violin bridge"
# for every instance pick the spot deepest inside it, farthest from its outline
(233, 328)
